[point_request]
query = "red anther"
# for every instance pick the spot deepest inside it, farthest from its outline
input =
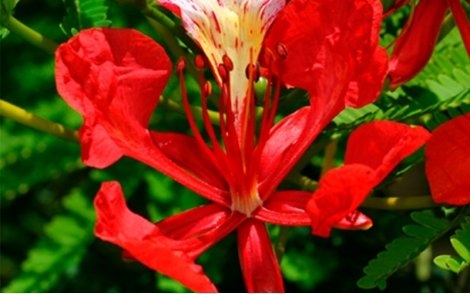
(199, 62)
(281, 50)
(222, 72)
(207, 90)
(227, 62)
(181, 65)
(252, 72)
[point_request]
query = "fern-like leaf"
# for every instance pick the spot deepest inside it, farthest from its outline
(82, 14)
(399, 252)
(461, 243)
(60, 250)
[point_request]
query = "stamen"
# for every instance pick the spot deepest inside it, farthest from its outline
(252, 72)
(199, 62)
(181, 65)
(227, 62)
(207, 89)
(223, 72)
(187, 107)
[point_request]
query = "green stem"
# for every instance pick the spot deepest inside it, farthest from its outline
(280, 246)
(329, 158)
(399, 203)
(30, 35)
(31, 120)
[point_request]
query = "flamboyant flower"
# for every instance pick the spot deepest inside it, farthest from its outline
(372, 152)
(448, 162)
(416, 42)
(114, 78)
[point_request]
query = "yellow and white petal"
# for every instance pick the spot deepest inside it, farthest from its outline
(234, 28)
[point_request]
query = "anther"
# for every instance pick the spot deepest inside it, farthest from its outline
(199, 62)
(227, 62)
(181, 65)
(281, 50)
(207, 90)
(252, 72)
(222, 72)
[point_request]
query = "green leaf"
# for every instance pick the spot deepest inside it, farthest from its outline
(451, 263)
(402, 250)
(461, 243)
(82, 14)
(60, 250)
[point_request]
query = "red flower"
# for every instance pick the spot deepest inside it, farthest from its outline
(373, 150)
(114, 78)
(448, 162)
(415, 44)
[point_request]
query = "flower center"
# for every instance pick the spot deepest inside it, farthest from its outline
(234, 29)
(238, 163)
(231, 34)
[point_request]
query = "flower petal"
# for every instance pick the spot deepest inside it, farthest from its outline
(448, 162)
(234, 29)
(114, 78)
(416, 42)
(462, 21)
(285, 208)
(355, 220)
(340, 192)
(140, 238)
(194, 222)
(185, 151)
(259, 263)
(325, 47)
(381, 145)
(372, 151)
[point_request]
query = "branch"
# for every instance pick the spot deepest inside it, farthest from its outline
(30, 35)
(33, 121)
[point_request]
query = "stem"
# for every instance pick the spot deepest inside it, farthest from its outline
(399, 203)
(280, 246)
(302, 181)
(329, 159)
(26, 118)
(30, 35)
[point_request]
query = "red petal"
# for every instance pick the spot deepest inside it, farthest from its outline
(373, 150)
(259, 263)
(282, 137)
(329, 45)
(448, 162)
(98, 149)
(285, 208)
(340, 192)
(463, 23)
(415, 44)
(187, 153)
(116, 224)
(355, 220)
(114, 78)
(381, 145)
(194, 222)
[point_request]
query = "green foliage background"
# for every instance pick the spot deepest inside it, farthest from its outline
(46, 193)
